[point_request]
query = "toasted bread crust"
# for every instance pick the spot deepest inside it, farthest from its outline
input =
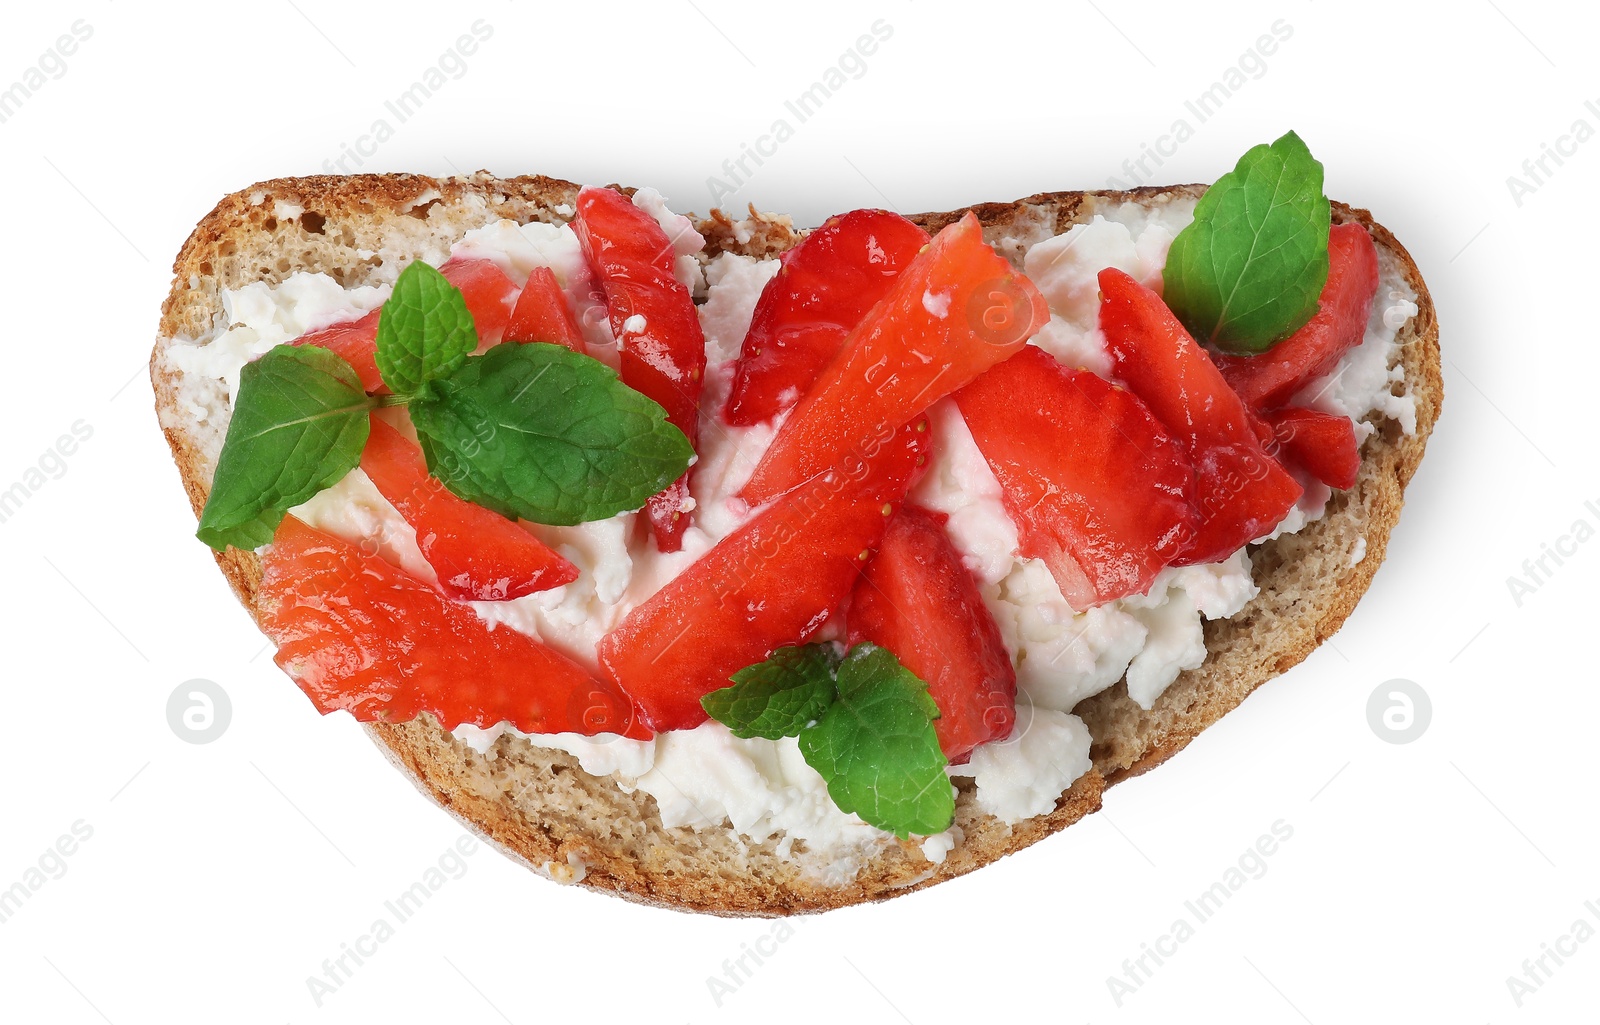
(537, 804)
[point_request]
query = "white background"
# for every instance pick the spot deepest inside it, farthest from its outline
(218, 877)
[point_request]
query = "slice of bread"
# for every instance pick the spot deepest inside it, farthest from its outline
(536, 803)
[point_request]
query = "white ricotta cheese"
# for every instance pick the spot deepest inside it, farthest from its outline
(734, 283)
(1023, 776)
(762, 788)
(518, 248)
(686, 241)
(1075, 346)
(1067, 266)
(260, 316)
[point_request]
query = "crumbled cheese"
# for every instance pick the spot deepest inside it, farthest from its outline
(1024, 775)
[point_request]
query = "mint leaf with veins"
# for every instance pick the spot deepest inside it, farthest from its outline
(1248, 271)
(424, 331)
(876, 748)
(542, 433)
(778, 697)
(298, 426)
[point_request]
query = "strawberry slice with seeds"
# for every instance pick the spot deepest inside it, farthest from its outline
(1322, 444)
(916, 599)
(543, 314)
(825, 285)
(477, 554)
(358, 634)
(772, 582)
(955, 311)
(1241, 492)
(1272, 377)
(654, 320)
(1097, 487)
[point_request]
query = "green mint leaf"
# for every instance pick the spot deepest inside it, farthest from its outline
(778, 697)
(1248, 271)
(537, 431)
(876, 747)
(298, 426)
(424, 331)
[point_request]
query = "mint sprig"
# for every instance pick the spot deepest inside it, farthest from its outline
(298, 426)
(877, 749)
(778, 697)
(1248, 271)
(424, 330)
(872, 739)
(538, 431)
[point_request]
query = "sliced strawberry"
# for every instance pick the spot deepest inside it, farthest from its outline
(655, 324)
(1322, 444)
(1097, 487)
(355, 342)
(826, 285)
(360, 635)
(1272, 377)
(543, 314)
(485, 287)
(1240, 490)
(490, 295)
(954, 312)
(772, 582)
(916, 598)
(477, 554)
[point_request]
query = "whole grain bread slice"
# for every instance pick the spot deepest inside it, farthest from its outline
(537, 804)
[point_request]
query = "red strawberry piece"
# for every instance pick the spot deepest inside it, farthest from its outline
(1322, 444)
(361, 635)
(772, 582)
(543, 314)
(954, 312)
(1273, 377)
(355, 342)
(916, 599)
(490, 295)
(654, 320)
(477, 554)
(1240, 490)
(825, 286)
(1096, 486)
